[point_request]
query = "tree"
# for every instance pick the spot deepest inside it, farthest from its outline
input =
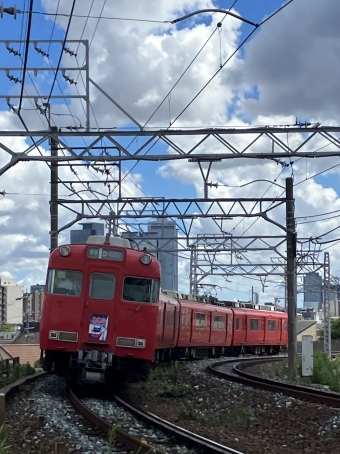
(6, 328)
(335, 329)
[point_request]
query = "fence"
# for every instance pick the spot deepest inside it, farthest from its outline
(6, 365)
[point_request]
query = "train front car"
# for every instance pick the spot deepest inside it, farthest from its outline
(100, 310)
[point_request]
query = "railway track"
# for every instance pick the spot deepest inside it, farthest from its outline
(238, 374)
(139, 445)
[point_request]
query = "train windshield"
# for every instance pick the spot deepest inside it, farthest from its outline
(64, 282)
(141, 290)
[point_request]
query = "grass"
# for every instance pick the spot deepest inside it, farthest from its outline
(15, 373)
(326, 371)
(4, 447)
(174, 390)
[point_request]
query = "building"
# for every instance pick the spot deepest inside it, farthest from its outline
(89, 228)
(32, 306)
(306, 328)
(11, 301)
(37, 288)
(161, 234)
(312, 291)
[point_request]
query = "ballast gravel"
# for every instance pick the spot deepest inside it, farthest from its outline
(248, 420)
(40, 416)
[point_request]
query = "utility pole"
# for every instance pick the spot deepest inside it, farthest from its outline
(326, 306)
(291, 276)
(54, 193)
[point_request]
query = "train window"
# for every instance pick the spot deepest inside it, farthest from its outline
(285, 325)
(200, 320)
(237, 324)
(271, 325)
(254, 324)
(218, 322)
(102, 286)
(141, 290)
(183, 319)
(170, 318)
(64, 282)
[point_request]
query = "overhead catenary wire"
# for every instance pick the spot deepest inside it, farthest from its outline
(27, 43)
(62, 50)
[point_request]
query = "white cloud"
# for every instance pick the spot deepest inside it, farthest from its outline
(291, 62)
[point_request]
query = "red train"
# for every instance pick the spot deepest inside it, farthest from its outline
(104, 313)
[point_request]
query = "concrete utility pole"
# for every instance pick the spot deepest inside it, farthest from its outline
(291, 276)
(54, 194)
(326, 307)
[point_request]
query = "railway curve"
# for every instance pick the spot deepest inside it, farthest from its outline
(187, 437)
(238, 375)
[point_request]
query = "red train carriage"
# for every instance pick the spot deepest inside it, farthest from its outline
(100, 307)
(103, 312)
(259, 331)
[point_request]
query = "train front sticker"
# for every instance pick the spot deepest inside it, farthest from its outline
(98, 326)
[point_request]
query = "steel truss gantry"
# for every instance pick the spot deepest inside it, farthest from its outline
(210, 144)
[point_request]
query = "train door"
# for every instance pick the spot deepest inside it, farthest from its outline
(263, 330)
(175, 324)
(279, 330)
(244, 328)
(99, 307)
(192, 323)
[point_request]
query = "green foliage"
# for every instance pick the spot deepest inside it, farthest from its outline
(111, 436)
(238, 416)
(37, 364)
(189, 412)
(5, 328)
(4, 447)
(335, 329)
(175, 390)
(15, 373)
(326, 371)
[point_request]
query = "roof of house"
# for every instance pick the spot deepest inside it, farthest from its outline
(23, 338)
(302, 325)
(3, 354)
(28, 353)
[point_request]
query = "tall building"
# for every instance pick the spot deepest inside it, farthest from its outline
(11, 301)
(32, 306)
(89, 228)
(312, 291)
(161, 234)
(37, 288)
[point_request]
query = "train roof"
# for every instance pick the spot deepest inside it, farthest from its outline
(216, 302)
(112, 240)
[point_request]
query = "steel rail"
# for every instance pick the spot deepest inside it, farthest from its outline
(123, 437)
(297, 391)
(191, 438)
(120, 435)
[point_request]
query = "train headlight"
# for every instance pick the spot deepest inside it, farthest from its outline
(64, 251)
(146, 259)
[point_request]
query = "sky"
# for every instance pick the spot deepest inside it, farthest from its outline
(288, 69)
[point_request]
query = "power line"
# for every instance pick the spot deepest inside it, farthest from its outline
(27, 43)
(62, 50)
(95, 17)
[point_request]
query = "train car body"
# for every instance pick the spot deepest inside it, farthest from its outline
(103, 315)
(258, 331)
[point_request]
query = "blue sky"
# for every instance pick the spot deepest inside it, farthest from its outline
(137, 64)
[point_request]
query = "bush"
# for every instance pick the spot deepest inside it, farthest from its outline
(326, 371)
(16, 372)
